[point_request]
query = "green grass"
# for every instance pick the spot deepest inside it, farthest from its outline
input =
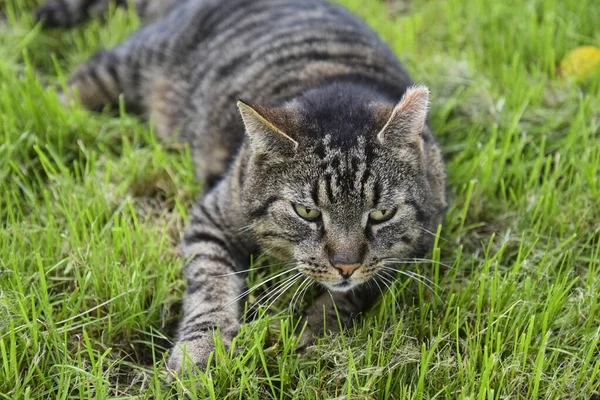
(92, 207)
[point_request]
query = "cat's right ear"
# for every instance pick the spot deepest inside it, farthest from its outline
(266, 129)
(407, 119)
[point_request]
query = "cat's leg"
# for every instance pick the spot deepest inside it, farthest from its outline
(333, 311)
(68, 13)
(211, 301)
(130, 70)
(99, 81)
(133, 69)
(136, 70)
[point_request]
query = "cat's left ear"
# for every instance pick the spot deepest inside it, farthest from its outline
(267, 129)
(407, 120)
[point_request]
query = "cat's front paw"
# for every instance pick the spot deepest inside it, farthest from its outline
(316, 320)
(187, 354)
(309, 337)
(331, 312)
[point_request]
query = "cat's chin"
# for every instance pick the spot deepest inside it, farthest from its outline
(342, 286)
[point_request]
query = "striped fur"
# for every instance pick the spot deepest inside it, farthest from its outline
(329, 122)
(68, 13)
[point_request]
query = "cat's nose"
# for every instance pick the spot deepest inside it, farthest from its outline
(346, 257)
(346, 269)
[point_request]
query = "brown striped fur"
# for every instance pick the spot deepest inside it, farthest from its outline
(330, 122)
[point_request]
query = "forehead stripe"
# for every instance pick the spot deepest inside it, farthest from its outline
(314, 192)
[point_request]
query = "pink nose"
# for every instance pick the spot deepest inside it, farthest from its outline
(347, 269)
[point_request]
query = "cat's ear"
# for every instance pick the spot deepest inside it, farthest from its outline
(407, 119)
(267, 129)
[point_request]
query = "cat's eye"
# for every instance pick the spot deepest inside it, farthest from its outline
(378, 216)
(309, 214)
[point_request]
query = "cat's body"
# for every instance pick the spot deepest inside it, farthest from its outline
(329, 171)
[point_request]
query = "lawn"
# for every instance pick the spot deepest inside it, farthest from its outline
(92, 207)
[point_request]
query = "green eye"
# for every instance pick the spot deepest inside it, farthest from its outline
(381, 215)
(309, 214)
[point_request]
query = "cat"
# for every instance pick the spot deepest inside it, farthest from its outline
(310, 136)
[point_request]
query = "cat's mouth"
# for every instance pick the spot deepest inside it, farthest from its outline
(343, 285)
(333, 279)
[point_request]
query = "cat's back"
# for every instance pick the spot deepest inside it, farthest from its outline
(267, 51)
(263, 52)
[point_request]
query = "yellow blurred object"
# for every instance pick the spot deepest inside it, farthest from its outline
(581, 62)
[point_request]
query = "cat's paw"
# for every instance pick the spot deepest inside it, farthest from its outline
(312, 326)
(190, 356)
(330, 313)
(309, 337)
(187, 354)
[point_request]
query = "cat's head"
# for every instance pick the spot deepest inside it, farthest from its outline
(341, 186)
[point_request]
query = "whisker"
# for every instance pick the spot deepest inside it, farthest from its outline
(248, 291)
(244, 228)
(421, 279)
(264, 253)
(281, 263)
(297, 292)
(414, 273)
(267, 296)
(292, 283)
(388, 274)
(414, 261)
(433, 262)
(291, 306)
(433, 234)
(310, 283)
(379, 287)
(255, 269)
(385, 280)
(276, 294)
(435, 292)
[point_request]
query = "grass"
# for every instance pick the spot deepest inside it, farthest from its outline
(92, 207)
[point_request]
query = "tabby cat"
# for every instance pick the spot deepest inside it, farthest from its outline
(330, 165)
